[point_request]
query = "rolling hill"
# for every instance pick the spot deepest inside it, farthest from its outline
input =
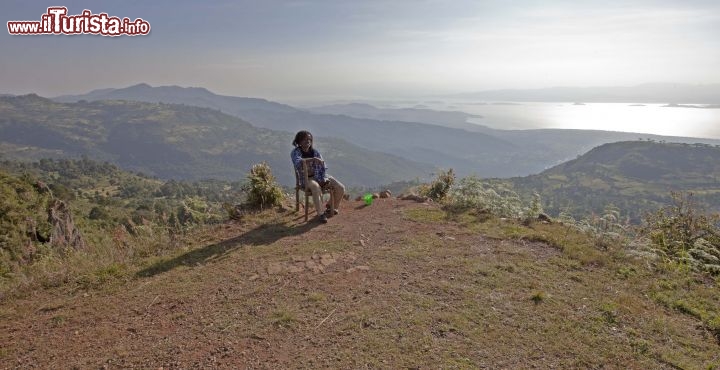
(176, 141)
(635, 176)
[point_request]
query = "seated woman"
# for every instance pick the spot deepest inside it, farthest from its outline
(318, 178)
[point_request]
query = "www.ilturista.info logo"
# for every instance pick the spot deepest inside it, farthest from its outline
(57, 22)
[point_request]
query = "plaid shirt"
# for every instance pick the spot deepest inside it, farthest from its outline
(318, 168)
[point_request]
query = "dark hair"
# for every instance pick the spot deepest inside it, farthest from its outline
(300, 136)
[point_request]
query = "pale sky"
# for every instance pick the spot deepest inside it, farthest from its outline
(372, 49)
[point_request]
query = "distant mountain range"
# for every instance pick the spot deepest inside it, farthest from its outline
(176, 141)
(438, 138)
(636, 177)
(196, 96)
(645, 93)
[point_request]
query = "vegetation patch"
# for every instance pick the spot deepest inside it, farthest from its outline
(425, 215)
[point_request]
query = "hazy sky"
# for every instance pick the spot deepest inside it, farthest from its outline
(366, 48)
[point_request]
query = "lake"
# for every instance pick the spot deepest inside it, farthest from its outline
(647, 118)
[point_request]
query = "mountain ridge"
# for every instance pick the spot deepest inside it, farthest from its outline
(176, 141)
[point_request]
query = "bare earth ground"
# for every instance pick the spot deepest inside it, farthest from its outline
(392, 285)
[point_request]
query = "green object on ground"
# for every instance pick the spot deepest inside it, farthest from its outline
(368, 198)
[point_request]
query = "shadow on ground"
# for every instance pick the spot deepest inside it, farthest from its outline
(261, 235)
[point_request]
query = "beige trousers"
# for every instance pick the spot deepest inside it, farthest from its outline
(336, 188)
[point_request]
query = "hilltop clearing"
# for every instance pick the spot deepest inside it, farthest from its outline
(397, 284)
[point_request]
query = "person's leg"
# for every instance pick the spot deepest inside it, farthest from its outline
(338, 190)
(317, 193)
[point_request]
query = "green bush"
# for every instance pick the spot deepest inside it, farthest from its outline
(473, 193)
(682, 233)
(98, 213)
(440, 187)
(262, 190)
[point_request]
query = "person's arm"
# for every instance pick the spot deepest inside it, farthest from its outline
(320, 169)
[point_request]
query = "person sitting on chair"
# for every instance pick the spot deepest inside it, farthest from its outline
(318, 177)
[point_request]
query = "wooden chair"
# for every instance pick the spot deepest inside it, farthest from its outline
(306, 164)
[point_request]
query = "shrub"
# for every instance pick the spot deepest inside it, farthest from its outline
(440, 187)
(683, 233)
(98, 213)
(473, 193)
(262, 190)
(536, 207)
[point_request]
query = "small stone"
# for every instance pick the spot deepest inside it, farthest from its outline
(254, 277)
(274, 268)
(296, 267)
(357, 268)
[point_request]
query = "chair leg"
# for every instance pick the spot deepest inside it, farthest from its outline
(297, 200)
(307, 201)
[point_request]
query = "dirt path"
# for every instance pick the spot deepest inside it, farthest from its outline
(371, 289)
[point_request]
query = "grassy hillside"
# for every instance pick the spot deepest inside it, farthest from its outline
(175, 141)
(68, 221)
(634, 176)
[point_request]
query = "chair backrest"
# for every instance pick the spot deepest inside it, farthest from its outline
(306, 163)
